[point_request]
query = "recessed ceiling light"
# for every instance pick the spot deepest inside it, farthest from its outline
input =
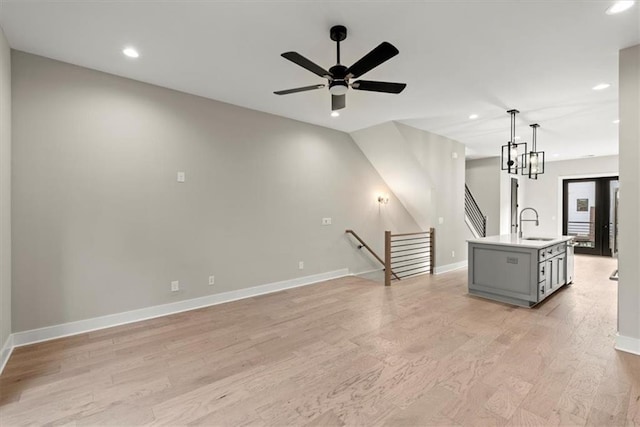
(556, 155)
(517, 137)
(130, 52)
(473, 116)
(619, 6)
(601, 86)
(335, 114)
(616, 121)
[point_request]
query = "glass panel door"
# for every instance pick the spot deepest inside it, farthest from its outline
(589, 214)
(581, 213)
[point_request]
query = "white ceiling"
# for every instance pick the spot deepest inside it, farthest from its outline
(457, 57)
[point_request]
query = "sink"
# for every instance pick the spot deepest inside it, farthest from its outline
(539, 239)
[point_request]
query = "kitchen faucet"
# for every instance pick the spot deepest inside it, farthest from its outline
(530, 220)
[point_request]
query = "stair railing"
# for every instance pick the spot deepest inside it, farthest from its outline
(409, 254)
(375, 255)
(471, 209)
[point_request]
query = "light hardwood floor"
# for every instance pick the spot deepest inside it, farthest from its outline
(347, 351)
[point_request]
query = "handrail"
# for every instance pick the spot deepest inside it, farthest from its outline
(364, 245)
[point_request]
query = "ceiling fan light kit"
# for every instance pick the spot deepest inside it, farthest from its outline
(339, 76)
(338, 87)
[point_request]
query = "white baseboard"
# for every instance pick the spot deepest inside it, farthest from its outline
(73, 328)
(628, 344)
(6, 351)
(375, 270)
(450, 267)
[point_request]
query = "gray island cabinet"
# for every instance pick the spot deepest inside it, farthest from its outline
(516, 270)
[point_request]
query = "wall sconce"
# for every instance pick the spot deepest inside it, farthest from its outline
(383, 199)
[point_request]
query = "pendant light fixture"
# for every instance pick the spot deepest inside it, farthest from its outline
(512, 152)
(533, 161)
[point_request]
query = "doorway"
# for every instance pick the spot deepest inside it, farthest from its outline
(590, 214)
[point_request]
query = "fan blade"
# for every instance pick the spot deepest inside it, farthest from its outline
(296, 58)
(338, 102)
(378, 86)
(299, 89)
(371, 60)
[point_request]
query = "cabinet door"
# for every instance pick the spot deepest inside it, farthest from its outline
(504, 271)
(561, 269)
(549, 275)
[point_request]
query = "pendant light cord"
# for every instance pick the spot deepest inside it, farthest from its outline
(535, 127)
(513, 125)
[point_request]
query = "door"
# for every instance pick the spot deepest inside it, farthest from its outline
(514, 205)
(589, 214)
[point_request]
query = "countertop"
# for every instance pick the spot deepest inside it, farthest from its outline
(514, 240)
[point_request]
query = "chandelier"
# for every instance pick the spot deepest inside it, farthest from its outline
(511, 153)
(533, 161)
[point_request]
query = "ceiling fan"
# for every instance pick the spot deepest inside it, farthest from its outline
(338, 76)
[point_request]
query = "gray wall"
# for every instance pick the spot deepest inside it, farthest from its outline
(5, 189)
(426, 173)
(435, 153)
(629, 247)
(545, 194)
(483, 179)
(101, 226)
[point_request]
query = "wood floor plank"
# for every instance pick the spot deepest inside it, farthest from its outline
(426, 410)
(579, 394)
(524, 418)
(345, 352)
(508, 397)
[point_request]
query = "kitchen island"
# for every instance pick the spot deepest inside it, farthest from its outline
(519, 271)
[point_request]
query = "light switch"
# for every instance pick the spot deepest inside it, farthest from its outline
(181, 177)
(440, 220)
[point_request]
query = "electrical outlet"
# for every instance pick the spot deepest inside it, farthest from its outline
(453, 254)
(326, 221)
(300, 265)
(212, 280)
(175, 286)
(181, 177)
